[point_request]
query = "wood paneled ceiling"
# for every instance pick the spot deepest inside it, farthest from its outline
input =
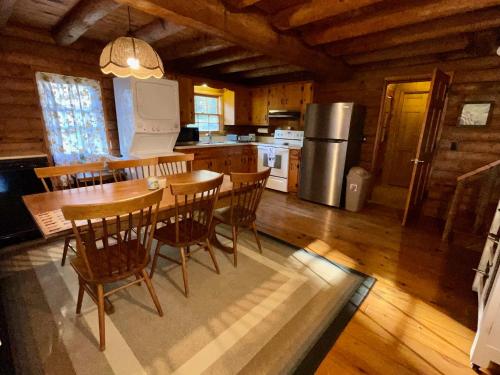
(251, 40)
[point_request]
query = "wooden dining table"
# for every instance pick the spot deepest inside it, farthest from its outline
(46, 207)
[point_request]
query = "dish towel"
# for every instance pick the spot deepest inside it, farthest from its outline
(271, 157)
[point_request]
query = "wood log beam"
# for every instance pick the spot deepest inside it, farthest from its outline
(462, 23)
(248, 64)
(222, 57)
(249, 30)
(198, 46)
(157, 30)
(273, 71)
(425, 47)
(394, 17)
(240, 4)
(6, 8)
(81, 18)
(316, 10)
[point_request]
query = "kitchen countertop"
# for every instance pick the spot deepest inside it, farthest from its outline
(225, 144)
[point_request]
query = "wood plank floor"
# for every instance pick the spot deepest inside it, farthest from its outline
(421, 314)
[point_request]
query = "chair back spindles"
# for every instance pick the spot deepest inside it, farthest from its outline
(175, 164)
(246, 195)
(133, 169)
(194, 207)
(112, 225)
(70, 176)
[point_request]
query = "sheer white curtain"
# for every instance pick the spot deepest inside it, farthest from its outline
(74, 118)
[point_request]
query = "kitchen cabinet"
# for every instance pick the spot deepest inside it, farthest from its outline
(259, 99)
(293, 171)
(242, 107)
(224, 159)
(307, 97)
(186, 99)
(293, 96)
(276, 97)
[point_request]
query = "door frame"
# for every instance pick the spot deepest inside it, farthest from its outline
(381, 117)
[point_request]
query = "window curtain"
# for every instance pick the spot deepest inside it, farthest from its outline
(74, 118)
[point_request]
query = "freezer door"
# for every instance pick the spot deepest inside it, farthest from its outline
(322, 171)
(328, 121)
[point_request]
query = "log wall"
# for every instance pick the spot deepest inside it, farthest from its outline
(22, 53)
(474, 79)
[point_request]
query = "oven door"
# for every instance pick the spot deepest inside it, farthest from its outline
(274, 157)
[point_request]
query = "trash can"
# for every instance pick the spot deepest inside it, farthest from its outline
(358, 185)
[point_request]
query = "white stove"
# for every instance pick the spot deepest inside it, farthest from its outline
(276, 156)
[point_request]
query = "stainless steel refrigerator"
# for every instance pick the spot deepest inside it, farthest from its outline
(332, 145)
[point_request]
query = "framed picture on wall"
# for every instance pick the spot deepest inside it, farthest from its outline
(474, 114)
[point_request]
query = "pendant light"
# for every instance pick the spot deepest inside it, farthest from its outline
(127, 56)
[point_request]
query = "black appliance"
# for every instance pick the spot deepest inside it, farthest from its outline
(17, 178)
(188, 136)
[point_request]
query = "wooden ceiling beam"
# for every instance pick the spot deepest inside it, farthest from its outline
(426, 47)
(272, 71)
(81, 18)
(316, 10)
(394, 17)
(196, 47)
(157, 30)
(240, 4)
(248, 64)
(222, 57)
(6, 8)
(467, 22)
(249, 30)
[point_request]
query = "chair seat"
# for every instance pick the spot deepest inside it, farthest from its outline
(107, 265)
(197, 233)
(224, 215)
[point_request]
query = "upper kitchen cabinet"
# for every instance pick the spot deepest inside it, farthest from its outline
(259, 98)
(242, 106)
(289, 96)
(186, 99)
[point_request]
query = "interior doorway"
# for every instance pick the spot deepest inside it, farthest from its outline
(404, 110)
(409, 128)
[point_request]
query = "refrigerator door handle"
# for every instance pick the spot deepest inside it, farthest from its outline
(324, 140)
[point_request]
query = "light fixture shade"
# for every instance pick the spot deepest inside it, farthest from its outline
(127, 56)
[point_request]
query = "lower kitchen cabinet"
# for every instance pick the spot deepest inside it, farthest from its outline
(225, 159)
(293, 171)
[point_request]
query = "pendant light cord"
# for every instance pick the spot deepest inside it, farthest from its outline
(129, 22)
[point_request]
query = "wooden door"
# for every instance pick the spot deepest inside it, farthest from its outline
(410, 102)
(429, 134)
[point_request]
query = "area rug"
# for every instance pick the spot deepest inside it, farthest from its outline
(278, 312)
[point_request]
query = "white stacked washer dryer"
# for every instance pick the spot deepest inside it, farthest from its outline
(277, 154)
(148, 116)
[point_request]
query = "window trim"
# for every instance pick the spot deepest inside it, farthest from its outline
(220, 112)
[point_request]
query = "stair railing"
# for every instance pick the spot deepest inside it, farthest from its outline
(489, 173)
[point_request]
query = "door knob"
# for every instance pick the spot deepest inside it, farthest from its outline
(417, 161)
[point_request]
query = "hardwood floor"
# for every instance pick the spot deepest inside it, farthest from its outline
(421, 314)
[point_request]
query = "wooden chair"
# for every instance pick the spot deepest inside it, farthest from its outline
(245, 199)
(67, 177)
(102, 259)
(133, 169)
(175, 164)
(194, 207)
(70, 176)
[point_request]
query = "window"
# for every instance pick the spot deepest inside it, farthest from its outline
(74, 118)
(207, 112)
